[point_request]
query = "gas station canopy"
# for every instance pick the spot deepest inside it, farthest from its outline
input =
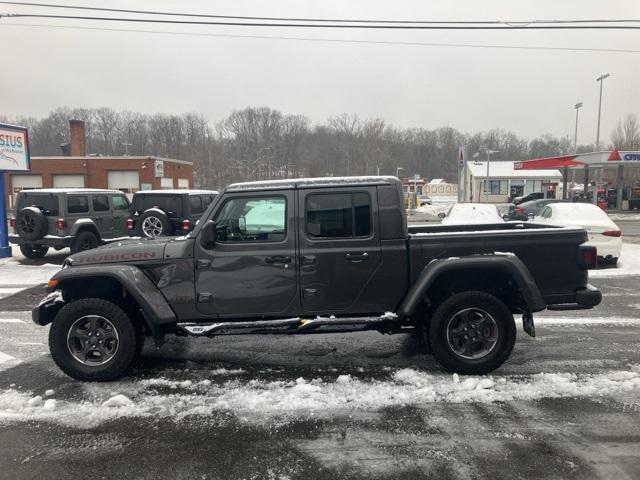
(593, 159)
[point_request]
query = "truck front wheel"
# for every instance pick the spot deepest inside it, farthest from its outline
(93, 340)
(472, 333)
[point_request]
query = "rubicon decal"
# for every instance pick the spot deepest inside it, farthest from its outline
(121, 257)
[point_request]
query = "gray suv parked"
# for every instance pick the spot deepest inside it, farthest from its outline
(57, 218)
(161, 213)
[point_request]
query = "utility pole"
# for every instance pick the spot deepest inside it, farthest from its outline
(126, 148)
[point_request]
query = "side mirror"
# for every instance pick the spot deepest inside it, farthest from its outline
(442, 215)
(209, 234)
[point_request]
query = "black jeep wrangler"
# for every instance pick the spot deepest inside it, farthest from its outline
(58, 218)
(157, 213)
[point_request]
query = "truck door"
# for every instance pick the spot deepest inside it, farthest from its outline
(102, 215)
(120, 212)
(339, 249)
(252, 269)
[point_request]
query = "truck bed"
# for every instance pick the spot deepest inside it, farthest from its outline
(550, 253)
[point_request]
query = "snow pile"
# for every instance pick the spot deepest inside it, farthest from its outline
(282, 400)
(629, 217)
(628, 264)
(472, 214)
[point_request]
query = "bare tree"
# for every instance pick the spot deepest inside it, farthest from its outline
(626, 135)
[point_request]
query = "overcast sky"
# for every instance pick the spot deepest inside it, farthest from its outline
(528, 91)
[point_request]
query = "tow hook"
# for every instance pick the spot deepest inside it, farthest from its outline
(527, 324)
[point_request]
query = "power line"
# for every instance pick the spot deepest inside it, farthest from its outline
(326, 25)
(326, 20)
(332, 40)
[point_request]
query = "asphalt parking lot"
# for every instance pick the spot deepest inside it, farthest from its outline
(352, 406)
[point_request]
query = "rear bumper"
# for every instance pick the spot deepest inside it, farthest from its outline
(585, 298)
(46, 241)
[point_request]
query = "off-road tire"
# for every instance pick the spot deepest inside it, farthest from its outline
(162, 219)
(128, 342)
(85, 240)
(34, 252)
(31, 223)
(444, 353)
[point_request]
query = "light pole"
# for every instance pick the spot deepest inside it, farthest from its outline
(600, 79)
(577, 106)
(398, 171)
(486, 182)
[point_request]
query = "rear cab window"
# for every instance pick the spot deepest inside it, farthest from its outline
(49, 203)
(338, 215)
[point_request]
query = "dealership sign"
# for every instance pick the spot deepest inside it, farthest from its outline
(14, 148)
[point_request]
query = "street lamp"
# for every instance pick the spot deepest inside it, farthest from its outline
(600, 79)
(486, 182)
(577, 106)
(398, 171)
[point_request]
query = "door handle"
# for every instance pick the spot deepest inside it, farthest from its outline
(356, 257)
(308, 259)
(278, 259)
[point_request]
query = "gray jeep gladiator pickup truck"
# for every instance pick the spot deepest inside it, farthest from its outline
(307, 256)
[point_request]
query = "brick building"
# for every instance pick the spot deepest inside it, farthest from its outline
(78, 170)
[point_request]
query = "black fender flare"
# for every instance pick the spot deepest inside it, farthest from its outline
(85, 224)
(155, 308)
(510, 265)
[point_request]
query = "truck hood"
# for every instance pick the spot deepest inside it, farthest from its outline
(134, 250)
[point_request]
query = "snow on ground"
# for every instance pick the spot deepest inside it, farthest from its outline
(428, 213)
(259, 401)
(628, 264)
(14, 272)
(631, 217)
(599, 321)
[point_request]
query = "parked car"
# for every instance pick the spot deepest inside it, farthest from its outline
(57, 218)
(471, 213)
(156, 213)
(424, 200)
(603, 233)
(528, 197)
(307, 256)
(527, 210)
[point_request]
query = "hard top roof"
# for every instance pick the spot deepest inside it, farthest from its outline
(176, 192)
(69, 190)
(312, 183)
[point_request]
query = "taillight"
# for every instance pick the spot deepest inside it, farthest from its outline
(612, 233)
(185, 225)
(520, 210)
(12, 222)
(130, 225)
(589, 257)
(61, 224)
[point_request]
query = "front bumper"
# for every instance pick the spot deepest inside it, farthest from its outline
(46, 241)
(44, 313)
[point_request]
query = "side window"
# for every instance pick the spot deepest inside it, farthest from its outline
(77, 204)
(546, 212)
(207, 199)
(252, 219)
(100, 203)
(120, 202)
(341, 215)
(195, 204)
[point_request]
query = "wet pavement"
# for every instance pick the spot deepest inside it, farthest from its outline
(334, 406)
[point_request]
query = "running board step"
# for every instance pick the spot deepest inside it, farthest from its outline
(385, 323)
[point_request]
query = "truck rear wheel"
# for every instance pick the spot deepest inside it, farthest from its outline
(472, 333)
(93, 340)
